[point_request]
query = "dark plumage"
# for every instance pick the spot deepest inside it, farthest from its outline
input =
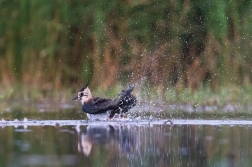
(97, 105)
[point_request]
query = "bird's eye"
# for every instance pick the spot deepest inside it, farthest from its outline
(81, 94)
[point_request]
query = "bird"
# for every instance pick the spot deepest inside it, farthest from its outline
(104, 108)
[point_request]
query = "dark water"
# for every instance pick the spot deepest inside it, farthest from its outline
(125, 145)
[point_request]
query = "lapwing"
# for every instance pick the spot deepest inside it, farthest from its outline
(105, 108)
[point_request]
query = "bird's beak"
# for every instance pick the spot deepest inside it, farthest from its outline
(75, 98)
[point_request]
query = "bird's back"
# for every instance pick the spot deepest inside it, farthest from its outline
(97, 105)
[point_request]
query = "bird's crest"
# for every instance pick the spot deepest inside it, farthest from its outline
(84, 87)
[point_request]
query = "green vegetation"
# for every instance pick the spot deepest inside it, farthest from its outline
(191, 51)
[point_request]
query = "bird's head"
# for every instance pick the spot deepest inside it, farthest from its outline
(84, 95)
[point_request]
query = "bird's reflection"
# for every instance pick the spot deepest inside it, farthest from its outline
(118, 137)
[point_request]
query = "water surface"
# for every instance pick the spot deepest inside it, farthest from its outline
(53, 140)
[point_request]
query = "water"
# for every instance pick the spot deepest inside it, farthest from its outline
(32, 140)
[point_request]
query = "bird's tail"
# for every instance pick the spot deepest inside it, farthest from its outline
(126, 99)
(124, 102)
(127, 92)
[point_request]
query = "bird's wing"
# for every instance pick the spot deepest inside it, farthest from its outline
(100, 105)
(99, 100)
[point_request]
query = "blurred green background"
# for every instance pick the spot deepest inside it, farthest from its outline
(57, 46)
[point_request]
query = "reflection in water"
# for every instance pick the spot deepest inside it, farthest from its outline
(126, 145)
(192, 148)
(109, 136)
(160, 145)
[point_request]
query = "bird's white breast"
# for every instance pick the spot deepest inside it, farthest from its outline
(103, 116)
